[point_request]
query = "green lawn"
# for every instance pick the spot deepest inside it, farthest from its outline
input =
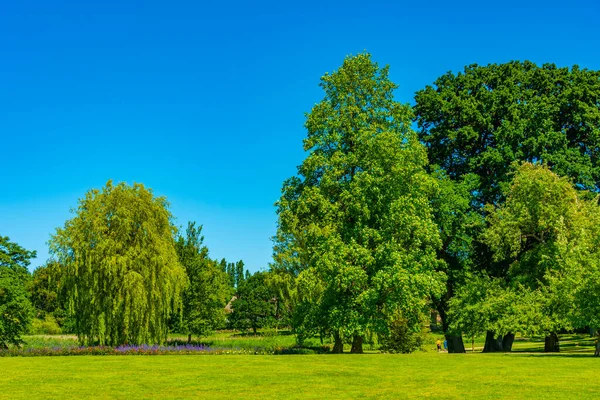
(526, 373)
(433, 375)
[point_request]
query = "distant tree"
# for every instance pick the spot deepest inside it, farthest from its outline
(15, 258)
(254, 306)
(45, 289)
(477, 122)
(121, 269)
(205, 298)
(16, 311)
(239, 273)
(356, 225)
(231, 274)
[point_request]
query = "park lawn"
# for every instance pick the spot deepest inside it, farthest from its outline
(433, 375)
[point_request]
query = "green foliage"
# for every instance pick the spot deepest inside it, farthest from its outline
(46, 326)
(205, 298)
(459, 225)
(45, 290)
(15, 258)
(356, 226)
(121, 270)
(401, 337)
(16, 311)
(254, 306)
(543, 231)
(481, 120)
(541, 211)
(476, 123)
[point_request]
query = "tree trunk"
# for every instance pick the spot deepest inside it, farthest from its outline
(338, 345)
(492, 344)
(597, 352)
(507, 342)
(189, 338)
(254, 329)
(357, 345)
(551, 343)
(455, 342)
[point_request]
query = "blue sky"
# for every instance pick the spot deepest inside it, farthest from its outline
(204, 102)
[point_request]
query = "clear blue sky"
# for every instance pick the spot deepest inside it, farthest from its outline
(204, 101)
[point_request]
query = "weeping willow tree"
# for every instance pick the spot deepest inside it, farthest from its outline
(121, 271)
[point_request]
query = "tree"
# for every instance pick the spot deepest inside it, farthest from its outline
(538, 230)
(254, 306)
(121, 270)
(356, 224)
(481, 120)
(45, 289)
(239, 273)
(15, 307)
(458, 224)
(205, 298)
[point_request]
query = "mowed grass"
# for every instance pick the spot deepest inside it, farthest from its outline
(418, 375)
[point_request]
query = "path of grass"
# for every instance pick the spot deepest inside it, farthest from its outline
(439, 376)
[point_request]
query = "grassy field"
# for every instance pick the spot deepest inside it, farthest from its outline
(527, 373)
(433, 375)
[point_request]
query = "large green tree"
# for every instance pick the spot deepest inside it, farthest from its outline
(356, 225)
(205, 298)
(542, 232)
(121, 269)
(16, 311)
(477, 122)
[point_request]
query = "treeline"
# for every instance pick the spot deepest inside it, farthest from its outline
(50, 300)
(487, 213)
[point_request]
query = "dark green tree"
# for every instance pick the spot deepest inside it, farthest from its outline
(205, 298)
(478, 122)
(254, 306)
(16, 311)
(45, 290)
(239, 273)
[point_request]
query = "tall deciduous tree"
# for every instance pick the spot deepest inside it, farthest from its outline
(542, 214)
(357, 222)
(205, 298)
(481, 120)
(16, 311)
(541, 231)
(121, 269)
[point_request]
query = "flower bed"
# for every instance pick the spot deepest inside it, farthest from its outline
(188, 349)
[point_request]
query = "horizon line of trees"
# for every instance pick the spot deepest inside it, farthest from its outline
(486, 213)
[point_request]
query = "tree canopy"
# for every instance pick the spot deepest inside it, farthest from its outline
(16, 311)
(205, 298)
(121, 269)
(356, 224)
(543, 232)
(477, 123)
(481, 120)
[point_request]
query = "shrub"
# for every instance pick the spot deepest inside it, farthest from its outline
(46, 326)
(401, 339)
